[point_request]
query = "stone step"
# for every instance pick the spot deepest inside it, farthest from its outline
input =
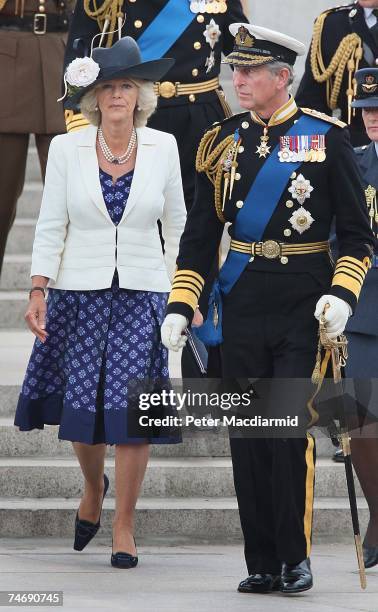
(21, 237)
(165, 477)
(16, 272)
(37, 443)
(33, 169)
(15, 443)
(205, 519)
(29, 202)
(12, 309)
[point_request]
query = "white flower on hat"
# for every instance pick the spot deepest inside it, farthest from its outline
(212, 33)
(82, 71)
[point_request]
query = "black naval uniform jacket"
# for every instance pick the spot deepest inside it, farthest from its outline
(337, 192)
(365, 320)
(184, 116)
(339, 23)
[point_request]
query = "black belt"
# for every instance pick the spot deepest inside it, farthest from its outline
(39, 23)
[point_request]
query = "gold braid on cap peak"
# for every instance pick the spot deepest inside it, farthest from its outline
(210, 162)
(346, 57)
(106, 15)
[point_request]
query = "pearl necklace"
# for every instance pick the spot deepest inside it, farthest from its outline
(109, 156)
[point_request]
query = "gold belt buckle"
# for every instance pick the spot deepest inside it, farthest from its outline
(270, 249)
(40, 23)
(167, 89)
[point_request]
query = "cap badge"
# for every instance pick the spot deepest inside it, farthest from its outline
(243, 38)
(370, 86)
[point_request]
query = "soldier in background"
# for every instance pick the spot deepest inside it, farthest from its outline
(195, 34)
(32, 40)
(345, 38)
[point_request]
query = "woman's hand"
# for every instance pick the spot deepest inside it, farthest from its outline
(197, 319)
(35, 315)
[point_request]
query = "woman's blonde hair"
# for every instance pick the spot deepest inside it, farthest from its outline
(145, 105)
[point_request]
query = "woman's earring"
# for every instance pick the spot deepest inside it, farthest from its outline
(139, 108)
(96, 108)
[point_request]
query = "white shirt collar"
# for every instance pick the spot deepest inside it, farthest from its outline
(376, 147)
(368, 12)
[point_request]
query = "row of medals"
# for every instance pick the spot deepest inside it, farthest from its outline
(208, 6)
(310, 155)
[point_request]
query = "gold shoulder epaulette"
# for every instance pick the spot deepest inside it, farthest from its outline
(323, 116)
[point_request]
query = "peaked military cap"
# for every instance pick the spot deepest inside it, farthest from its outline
(367, 88)
(255, 46)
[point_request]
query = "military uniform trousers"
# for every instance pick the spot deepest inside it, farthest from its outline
(270, 332)
(31, 70)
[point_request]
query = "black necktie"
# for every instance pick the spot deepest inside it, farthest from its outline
(374, 28)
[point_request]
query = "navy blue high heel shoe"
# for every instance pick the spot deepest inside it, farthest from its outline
(123, 560)
(85, 531)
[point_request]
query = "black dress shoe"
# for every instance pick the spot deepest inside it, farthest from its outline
(370, 556)
(85, 531)
(123, 560)
(260, 583)
(338, 456)
(296, 578)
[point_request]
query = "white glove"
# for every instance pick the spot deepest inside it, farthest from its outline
(172, 331)
(336, 316)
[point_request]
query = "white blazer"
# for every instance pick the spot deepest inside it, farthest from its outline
(76, 244)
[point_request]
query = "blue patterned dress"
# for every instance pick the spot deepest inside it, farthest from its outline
(103, 349)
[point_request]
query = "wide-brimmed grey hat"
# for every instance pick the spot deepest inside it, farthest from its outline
(123, 59)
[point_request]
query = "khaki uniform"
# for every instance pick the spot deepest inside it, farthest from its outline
(31, 72)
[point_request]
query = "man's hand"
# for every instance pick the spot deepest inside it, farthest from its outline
(336, 315)
(172, 331)
(198, 318)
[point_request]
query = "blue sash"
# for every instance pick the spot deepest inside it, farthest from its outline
(252, 220)
(165, 29)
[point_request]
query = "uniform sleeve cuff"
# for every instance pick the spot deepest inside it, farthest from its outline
(180, 308)
(344, 294)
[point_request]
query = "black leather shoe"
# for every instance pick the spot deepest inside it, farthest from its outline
(260, 583)
(338, 456)
(296, 578)
(370, 556)
(123, 560)
(85, 531)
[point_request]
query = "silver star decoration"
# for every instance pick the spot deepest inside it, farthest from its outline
(263, 150)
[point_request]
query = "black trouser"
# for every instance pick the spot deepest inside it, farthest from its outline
(270, 333)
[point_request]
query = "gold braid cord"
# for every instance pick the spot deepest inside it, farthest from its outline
(210, 162)
(2, 4)
(347, 57)
(106, 14)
